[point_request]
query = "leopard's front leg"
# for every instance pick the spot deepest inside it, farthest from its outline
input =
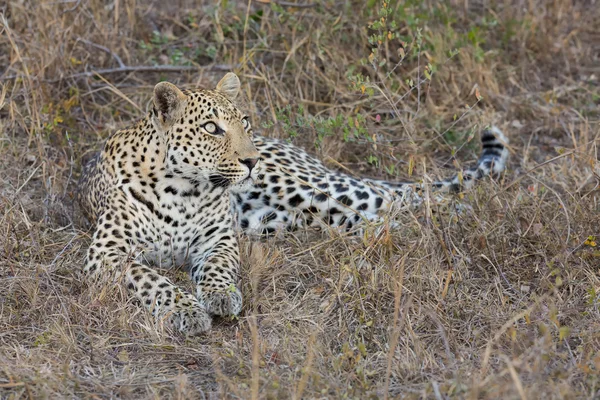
(215, 273)
(110, 256)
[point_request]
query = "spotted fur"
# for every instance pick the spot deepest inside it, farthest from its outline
(296, 190)
(159, 195)
(164, 193)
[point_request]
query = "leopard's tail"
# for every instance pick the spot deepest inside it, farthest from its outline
(492, 162)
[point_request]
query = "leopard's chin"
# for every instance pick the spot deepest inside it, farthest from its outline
(242, 186)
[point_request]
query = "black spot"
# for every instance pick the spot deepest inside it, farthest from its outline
(295, 200)
(312, 210)
(362, 195)
(496, 146)
(211, 231)
(341, 188)
(139, 198)
(308, 218)
(378, 202)
(321, 197)
(268, 217)
(345, 200)
(170, 189)
(253, 195)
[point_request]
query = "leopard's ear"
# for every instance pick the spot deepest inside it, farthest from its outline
(229, 85)
(168, 103)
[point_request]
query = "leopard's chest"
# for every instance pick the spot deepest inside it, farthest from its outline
(181, 224)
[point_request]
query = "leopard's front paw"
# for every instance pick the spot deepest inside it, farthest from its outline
(190, 319)
(221, 302)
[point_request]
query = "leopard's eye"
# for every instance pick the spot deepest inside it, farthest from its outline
(211, 128)
(246, 123)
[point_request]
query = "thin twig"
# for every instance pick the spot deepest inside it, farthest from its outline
(105, 49)
(288, 4)
(130, 69)
(77, 3)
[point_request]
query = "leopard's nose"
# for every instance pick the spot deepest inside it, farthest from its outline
(249, 162)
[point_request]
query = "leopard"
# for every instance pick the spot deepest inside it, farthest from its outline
(175, 188)
(158, 196)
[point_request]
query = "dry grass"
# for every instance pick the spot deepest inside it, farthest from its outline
(500, 302)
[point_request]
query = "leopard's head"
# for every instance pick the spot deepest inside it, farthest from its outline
(208, 138)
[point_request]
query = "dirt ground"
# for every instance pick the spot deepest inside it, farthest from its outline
(501, 300)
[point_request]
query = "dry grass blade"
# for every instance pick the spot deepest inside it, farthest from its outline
(306, 369)
(515, 377)
(394, 328)
(255, 357)
(3, 91)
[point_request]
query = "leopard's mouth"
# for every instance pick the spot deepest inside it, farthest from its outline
(245, 182)
(243, 185)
